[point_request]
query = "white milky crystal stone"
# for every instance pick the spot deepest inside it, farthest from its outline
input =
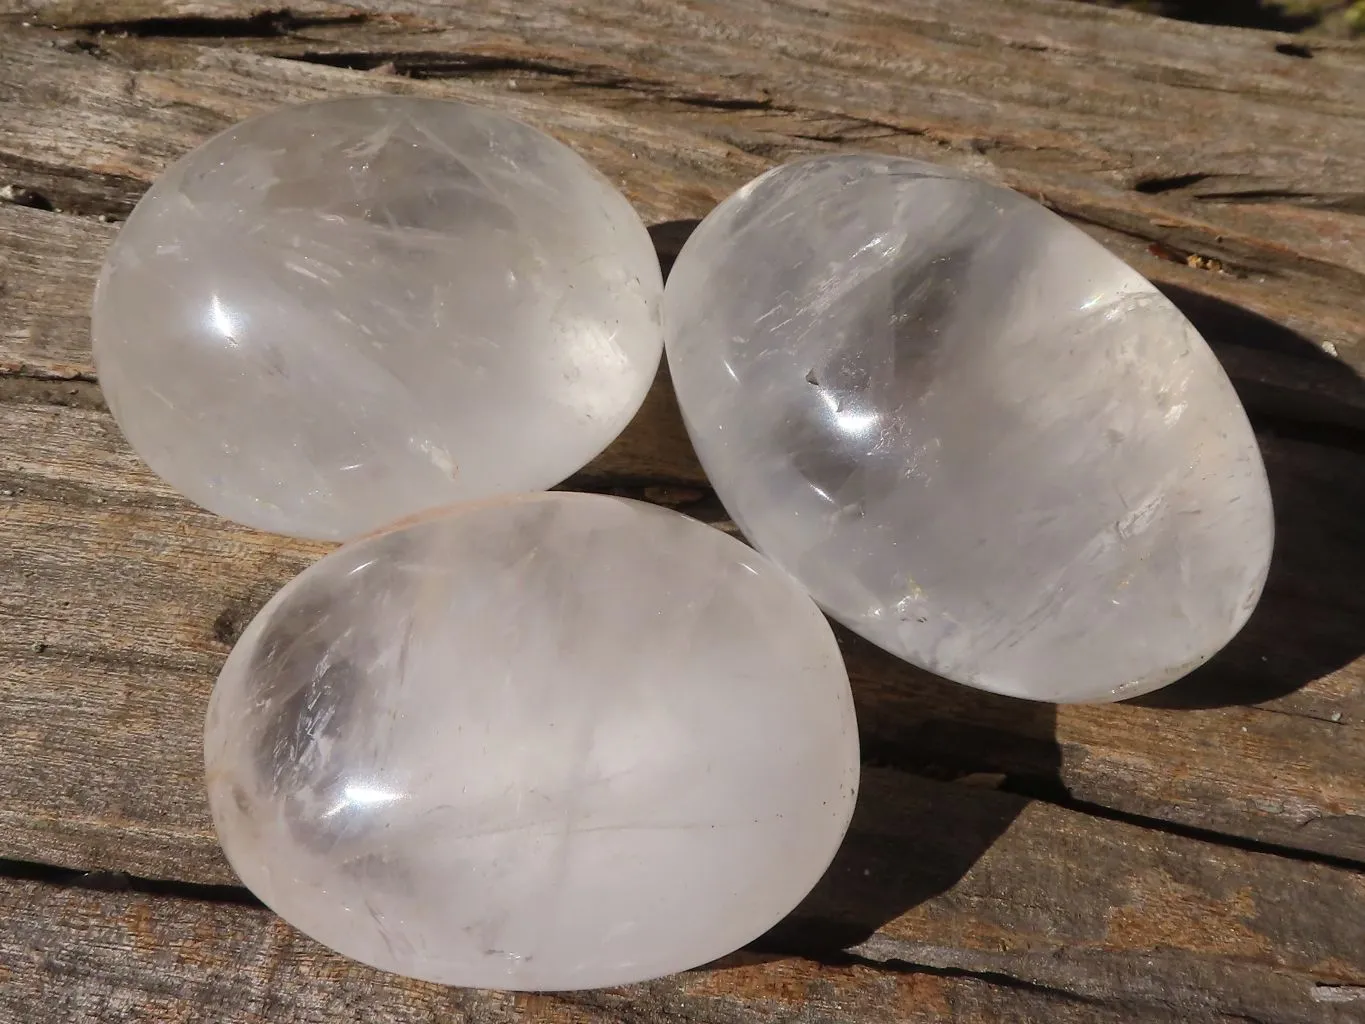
(977, 437)
(337, 314)
(549, 742)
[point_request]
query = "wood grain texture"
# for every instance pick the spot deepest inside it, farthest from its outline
(119, 601)
(1041, 91)
(1228, 172)
(1206, 142)
(74, 955)
(1060, 917)
(1293, 779)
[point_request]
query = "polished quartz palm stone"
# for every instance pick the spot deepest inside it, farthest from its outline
(549, 742)
(341, 313)
(977, 437)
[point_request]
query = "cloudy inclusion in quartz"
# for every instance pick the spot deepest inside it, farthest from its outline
(561, 741)
(344, 312)
(977, 437)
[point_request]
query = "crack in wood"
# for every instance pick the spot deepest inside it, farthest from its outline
(18, 195)
(902, 965)
(436, 64)
(23, 371)
(1054, 792)
(119, 881)
(1156, 186)
(1068, 975)
(1294, 50)
(72, 392)
(271, 24)
(1240, 260)
(1340, 202)
(805, 937)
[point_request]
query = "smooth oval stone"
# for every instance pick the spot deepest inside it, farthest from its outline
(552, 742)
(341, 313)
(977, 437)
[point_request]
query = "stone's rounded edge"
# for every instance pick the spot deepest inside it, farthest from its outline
(864, 163)
(252, 872)
(819, 623)
(215, 790)
(721, 219)
(1243, 426)
(624, 214)
(775, 175)
(1124, 692)
(628, 412)
(1138, 688)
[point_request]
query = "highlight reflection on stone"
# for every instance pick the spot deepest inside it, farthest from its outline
(341, 313)
(977, 437)
(550, 742)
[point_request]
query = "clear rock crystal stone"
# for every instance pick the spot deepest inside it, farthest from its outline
(978, 438)
(337, 314)
(551, 742)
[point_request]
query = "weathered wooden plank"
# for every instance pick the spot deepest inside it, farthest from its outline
(1294, 782)
(90, 128)
(1065, 918)
(106, 685)
(47, 271)
(1031, 86)
(118, 601)
(1237, 770)
(74, 955)
(93, 127)
(83, 518)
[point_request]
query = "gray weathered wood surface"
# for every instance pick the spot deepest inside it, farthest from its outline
(1063, 918)
(1198, 857)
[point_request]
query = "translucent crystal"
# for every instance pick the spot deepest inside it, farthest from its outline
(340, 313)
(552, 742)
(977, 437)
